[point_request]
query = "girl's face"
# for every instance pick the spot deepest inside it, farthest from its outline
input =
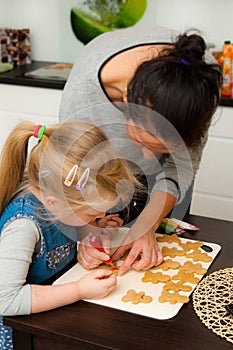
(149, 144)
(85, 214)
(79, 217)
(82, 217)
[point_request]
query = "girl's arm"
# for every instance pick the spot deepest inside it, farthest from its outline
(95, 285)
(17, 244)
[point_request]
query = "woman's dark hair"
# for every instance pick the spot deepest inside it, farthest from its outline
(180, 86)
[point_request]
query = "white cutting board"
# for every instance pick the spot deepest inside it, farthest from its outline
(132, 280)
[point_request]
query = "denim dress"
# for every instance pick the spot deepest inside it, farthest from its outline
(55, 253)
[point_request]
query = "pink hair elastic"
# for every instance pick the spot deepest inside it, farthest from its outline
(39, 131)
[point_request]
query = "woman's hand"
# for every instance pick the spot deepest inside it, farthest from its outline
(96, 284)
(144, 251)
(141, 240)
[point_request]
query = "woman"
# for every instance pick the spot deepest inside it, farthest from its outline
(171, 85)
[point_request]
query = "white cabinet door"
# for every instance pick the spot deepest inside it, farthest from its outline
(213, 187)
(30, 100)
(19, 103)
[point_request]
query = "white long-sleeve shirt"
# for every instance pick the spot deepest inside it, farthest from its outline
(18, 241)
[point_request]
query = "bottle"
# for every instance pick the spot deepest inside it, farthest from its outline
(227, 68)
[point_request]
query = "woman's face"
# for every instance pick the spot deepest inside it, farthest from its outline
(149, 144)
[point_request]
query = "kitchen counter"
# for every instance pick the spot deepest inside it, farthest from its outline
(226, 101)
(17, 77)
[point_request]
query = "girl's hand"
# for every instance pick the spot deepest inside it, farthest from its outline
(110, 221)
(96, 284)
(90, 257)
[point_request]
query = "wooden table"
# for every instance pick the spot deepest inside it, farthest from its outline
(89, 326)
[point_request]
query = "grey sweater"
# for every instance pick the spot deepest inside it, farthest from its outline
(84, 98)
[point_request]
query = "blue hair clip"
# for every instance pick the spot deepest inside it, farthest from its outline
(44, 173)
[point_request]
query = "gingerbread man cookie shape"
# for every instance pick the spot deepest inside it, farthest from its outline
(172, 297)
(185, 276)
(191, 245)
(155, 277)
(176, 287)
(199, 256)
(136, 298)
(169, 238)
(172, 252)
(167, 265)
(189, 266)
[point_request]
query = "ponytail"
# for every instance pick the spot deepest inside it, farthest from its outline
(189, 47)
(13, 161)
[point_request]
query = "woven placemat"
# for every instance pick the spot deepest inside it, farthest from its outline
(209, 300)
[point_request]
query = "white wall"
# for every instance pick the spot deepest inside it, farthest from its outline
(53, 40)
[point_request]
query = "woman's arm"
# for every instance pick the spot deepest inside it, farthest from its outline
(180, 169)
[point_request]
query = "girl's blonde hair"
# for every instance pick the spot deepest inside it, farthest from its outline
(49, 162)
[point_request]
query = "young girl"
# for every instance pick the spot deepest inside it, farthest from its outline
(70, 178)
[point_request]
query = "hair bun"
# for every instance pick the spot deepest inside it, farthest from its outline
(191, 47)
